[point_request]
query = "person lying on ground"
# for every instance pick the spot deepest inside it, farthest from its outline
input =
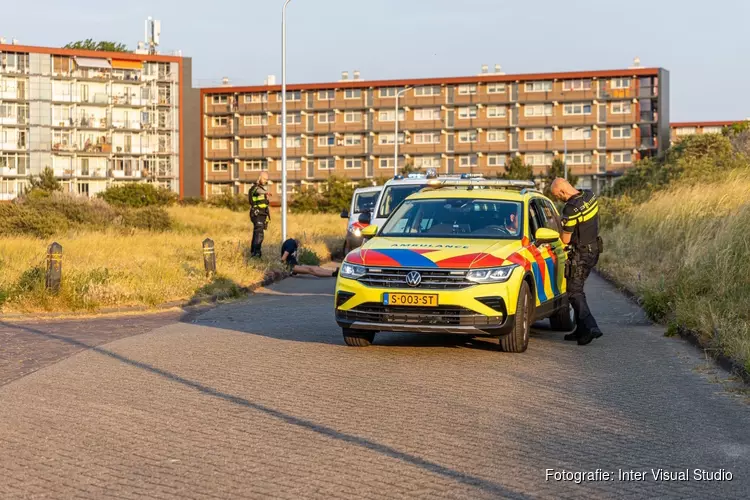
(289, 257)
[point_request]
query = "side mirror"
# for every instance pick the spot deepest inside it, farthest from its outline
(344, 214)
(545, 235)
(365, 218)
(369, 231)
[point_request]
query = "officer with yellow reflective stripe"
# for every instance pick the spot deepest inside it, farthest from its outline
(580, 219)
(259, 212)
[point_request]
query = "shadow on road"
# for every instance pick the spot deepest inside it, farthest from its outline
(388, 451)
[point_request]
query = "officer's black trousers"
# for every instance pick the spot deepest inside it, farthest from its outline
(259, 227)
(584, 262)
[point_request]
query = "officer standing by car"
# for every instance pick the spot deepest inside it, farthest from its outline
(259, 212)
(580, 219)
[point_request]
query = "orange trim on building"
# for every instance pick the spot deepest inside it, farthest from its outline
(704, 124)
(182, 129)
(126, 56)
(439, 81)
(203, 144)
(124, 64)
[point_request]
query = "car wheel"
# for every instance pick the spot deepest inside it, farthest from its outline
(564, 319)
(518, 339)
(357, 338)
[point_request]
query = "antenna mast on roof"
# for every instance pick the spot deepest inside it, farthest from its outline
(153, 32)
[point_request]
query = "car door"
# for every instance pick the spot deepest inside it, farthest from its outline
(550, 257)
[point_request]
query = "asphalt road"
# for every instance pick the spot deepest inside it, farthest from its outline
(261, 399)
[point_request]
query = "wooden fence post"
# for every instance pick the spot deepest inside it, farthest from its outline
(209, 257)
(54, 268)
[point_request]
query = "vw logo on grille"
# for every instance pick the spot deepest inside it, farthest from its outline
(413, 278)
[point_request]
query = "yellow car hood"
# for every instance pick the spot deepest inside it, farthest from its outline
(455, 253)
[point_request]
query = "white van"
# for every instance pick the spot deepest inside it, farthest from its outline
(362, 206)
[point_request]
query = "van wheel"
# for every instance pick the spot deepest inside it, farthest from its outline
(518, 339)
(357, 338)
(564, 319)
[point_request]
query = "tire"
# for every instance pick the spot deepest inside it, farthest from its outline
(357, 338)
(564, 320)
(518, 339)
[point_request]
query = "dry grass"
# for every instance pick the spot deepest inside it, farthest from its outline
(686, 252)
(112, 268)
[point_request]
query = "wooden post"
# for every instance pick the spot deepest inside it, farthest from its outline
(209, 257)
(54, 268)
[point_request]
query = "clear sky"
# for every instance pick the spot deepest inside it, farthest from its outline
(704, 44)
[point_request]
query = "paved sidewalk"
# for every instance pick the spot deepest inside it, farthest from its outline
(261, 399)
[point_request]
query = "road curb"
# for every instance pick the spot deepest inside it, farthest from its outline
(691, 336)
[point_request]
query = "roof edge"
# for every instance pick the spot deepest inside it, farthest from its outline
(719, 123)
(128, 56)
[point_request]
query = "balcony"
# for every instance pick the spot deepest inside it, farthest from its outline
(92, 74)
(19, 120)
(130, 100)
(126, 173)
(126, 124)
(127, 75)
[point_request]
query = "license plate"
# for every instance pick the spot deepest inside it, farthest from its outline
(410, 299)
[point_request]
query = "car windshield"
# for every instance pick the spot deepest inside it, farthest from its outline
(456, 217)
(393, 195)
(365, 201)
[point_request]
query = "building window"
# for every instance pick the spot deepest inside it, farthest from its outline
(256, 120)
(622, 132)
(495, 88)
(620, 83)
(537, 110)
(291, 164)
(467, 136)
(429, 114)
(577, 108)
(291, 118)
(326, 164)
(353, 117)
(543, 86)
(427, 138)
(220, 121)
(465, 112)
(326, 95)
(428, 90)
(220, 166)
(220, 99)
(622, 157)
(256, 143)
(389, 115)
(291, 95)
(353, 94)
(467, 160)
(219, 144)
(256, 165)
(386, 163)
(495, 111)
(580, 84)
(713, 130)
(256, 98)
(329, 117)
(352, 163)
(389, 91)
(538, 159)
(425, 162)
(352, 140)
(621, 108)
(326, 140)
(495, 135)
(219, 188)
(384, 139)
(578, 159)
(576, 134)
(495, 160)
(293, 141)
(290, 188)
(467, 89)
(686, 130)
(538, 134)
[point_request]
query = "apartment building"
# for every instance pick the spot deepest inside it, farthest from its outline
(96, 118)
(681, 129)
(604, 120)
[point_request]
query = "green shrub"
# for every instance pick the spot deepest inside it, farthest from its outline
(235, 203)
(192, 201)
(32, 280)
(26, 220)
(307, 257)
(77, 210)
(150, 218)
(138, 195)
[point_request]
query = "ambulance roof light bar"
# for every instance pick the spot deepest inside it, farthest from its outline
(506, 183)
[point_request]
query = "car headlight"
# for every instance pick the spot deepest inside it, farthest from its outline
(352, 271)
(491, 274)
(357, 232)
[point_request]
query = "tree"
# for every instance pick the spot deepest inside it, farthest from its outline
(409, 168)
(45, 182)
(557, 169)
(516, 169)
(90, 44)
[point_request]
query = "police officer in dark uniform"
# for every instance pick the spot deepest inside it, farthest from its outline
(580, 220)
(259, 212)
